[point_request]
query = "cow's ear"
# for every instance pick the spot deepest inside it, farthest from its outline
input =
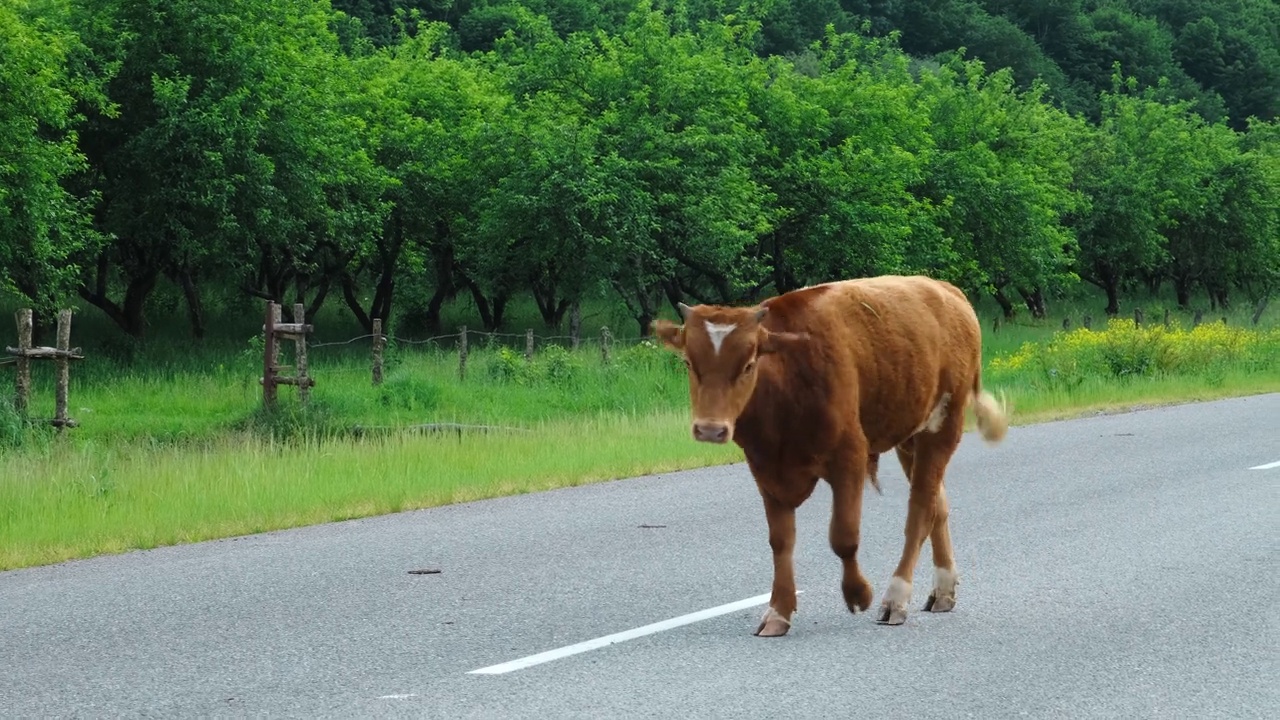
(771, 342)
(669, 333)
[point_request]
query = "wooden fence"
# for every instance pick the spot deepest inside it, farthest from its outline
(62, 355)
(274, 332)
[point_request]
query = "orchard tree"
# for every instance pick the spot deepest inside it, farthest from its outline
(1000, 174)
(844, 147)
(44, 218)
(226, 149)
(1137, 170)
(429, 112)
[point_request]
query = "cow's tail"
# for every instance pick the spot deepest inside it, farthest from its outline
(992, 415)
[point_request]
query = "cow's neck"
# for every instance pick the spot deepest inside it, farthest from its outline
(780, 402)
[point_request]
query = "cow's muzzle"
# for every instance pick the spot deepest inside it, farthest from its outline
(712, 431)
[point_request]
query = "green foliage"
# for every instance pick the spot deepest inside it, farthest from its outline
(1126, 351)
(553, 366)
(192, 159)
(410, 392)
(44, 222)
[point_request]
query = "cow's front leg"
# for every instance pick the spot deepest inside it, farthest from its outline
(782, 539)
(846, 520)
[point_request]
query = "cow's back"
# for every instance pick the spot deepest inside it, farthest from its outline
(886, 349)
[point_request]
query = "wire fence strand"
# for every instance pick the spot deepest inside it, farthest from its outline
(486, 336)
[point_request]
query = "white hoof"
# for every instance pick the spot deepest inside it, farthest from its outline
(773, 624)
(893, 608)
(943, 597)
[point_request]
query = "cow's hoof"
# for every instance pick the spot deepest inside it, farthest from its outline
(857, 595)
(943, 597)
(893, 608)
(773, 625)
(946, 603)
(892, 615)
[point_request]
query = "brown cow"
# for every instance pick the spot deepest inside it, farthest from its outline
(816, 383)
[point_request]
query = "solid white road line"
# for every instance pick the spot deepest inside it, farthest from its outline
(600, 642)
(1268, 466)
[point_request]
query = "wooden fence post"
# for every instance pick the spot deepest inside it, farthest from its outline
(60, 419)
(22, 385)
(275, 331)
(462, 353)
(379, 341)
(528, 345)
(61, 355)
(604, 343)
(1137, 316)
(1196, 320)
(270, 356)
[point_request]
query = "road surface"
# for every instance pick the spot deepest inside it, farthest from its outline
(1120, 566)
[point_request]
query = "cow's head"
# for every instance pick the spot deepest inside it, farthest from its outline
(721, 347)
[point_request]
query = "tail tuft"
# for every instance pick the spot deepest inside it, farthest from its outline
(992, 416)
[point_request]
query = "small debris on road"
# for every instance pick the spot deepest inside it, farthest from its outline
(651, 526)
(427, 571)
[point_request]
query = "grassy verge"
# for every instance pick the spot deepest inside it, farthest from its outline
(175, 452)
(63, 503)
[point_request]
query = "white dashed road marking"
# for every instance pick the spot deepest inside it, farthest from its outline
(1268, 466)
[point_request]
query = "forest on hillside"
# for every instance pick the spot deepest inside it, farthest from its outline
(392, 156)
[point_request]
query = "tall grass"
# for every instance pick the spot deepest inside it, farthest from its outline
(63, 503)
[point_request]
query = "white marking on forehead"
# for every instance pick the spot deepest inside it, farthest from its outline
(718, 332)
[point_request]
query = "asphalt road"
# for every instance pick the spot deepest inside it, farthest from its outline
(1120, 566)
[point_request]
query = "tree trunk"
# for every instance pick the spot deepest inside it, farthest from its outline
(317, 302)
(1113, 298)
(646, 323)
(353, 302)
(641, 303)
(551, 309)
(434, 305)
(499, 303)
(482, 303)
(129, 316)
(1182, 289)
(1034, 301)
(135, 302)
(783, 281)
(195, 307)
(1006, 307)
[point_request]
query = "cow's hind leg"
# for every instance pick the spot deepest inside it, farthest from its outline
(925, 460)
(945, 578)
(846, 519)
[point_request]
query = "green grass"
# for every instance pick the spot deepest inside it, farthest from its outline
(173, 447)
(61, 503)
